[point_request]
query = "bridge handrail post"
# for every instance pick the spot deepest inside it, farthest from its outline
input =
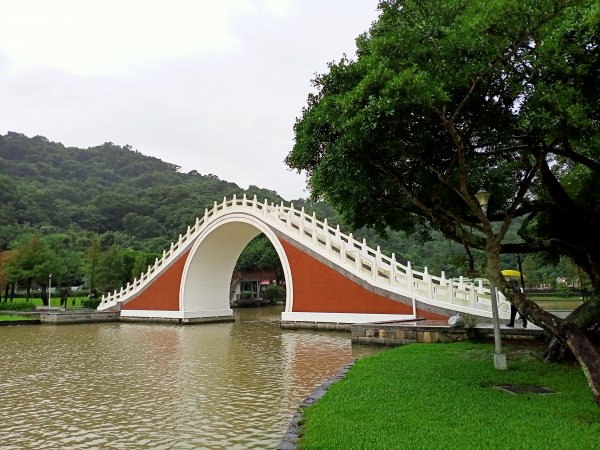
(472, 296)
(393, 267)
(364, 251)
(443, 282)
(409, 273)
(301, 226)
(315, 236)
(328, 249)
(451, 292)
(428, 280)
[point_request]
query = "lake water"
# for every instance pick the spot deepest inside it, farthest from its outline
(125, 386)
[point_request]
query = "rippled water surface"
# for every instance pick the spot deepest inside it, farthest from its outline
(122, 385)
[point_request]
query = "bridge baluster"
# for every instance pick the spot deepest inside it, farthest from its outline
(254, 202)
(328, 250)
(428, 280)
(443, 282)
(409, 275)
(393, 269)
(301, 226)
(472, 296)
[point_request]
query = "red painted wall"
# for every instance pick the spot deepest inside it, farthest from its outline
(319, 288)
(163, 293)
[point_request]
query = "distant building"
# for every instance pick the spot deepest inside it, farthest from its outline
(252, 283)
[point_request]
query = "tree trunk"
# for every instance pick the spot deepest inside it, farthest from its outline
(586, 317)
(45, 296)
(563, 330)
(587, 356)
(12, 291)
(29, 289)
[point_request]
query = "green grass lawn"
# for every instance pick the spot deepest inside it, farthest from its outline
(6, 318)
(55, 301)
(430, 396)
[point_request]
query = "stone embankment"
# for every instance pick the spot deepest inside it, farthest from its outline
(290, 438)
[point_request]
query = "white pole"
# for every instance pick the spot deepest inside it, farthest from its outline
(50, 290)
(499, 357)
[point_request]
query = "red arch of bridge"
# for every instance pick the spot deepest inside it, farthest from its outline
(317, 288)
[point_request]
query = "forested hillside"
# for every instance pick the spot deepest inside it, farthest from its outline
(109, 188)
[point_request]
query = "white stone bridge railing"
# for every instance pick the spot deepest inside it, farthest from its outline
(356, 257)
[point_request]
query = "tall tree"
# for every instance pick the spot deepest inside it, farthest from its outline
(110, 270)
(92, 258)
(33, 263)
(448, 97)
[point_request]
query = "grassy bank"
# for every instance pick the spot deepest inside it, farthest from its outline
(72, 302)
(11, 318)
(442, 396)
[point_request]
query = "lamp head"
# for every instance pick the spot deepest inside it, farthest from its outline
(483, 197)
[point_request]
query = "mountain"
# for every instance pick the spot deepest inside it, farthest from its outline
(49, 187)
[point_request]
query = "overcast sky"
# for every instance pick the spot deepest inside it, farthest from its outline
(210, 85)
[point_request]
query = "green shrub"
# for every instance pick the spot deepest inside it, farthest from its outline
(17, 306)
(91, 303)
(246, 294)
(274, 292)
(470, 320)
(563, 290)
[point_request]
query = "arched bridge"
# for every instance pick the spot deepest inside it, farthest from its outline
(330, 276)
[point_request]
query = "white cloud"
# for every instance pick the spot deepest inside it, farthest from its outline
(222, 99)
(92, 37)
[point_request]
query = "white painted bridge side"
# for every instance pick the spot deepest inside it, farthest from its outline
(368, 264)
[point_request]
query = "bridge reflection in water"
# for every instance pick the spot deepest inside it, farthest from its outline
(122, 385)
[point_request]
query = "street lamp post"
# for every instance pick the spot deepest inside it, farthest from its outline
(483, 198)
(50, 290)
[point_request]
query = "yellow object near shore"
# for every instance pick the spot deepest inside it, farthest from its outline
(511, 273)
